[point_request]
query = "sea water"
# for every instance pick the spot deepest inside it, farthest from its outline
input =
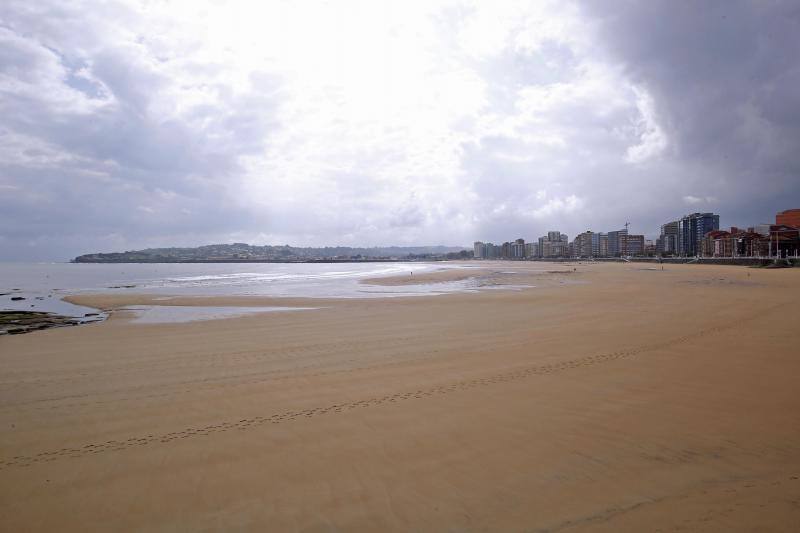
(43, 285)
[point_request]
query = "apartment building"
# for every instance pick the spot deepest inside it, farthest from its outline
(692, 229)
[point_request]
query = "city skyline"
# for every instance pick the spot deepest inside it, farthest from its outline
(692, 235)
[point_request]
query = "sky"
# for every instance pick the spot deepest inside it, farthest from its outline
(126, 125)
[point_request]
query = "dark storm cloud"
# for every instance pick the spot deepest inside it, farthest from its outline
(701, 112)
(723, 76)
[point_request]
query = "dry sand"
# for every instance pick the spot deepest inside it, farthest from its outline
(612, 398)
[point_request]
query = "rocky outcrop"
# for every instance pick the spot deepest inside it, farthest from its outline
(16, 322)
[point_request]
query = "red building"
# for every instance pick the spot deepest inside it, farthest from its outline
(790, 217)
(735, 243)
(717, 243)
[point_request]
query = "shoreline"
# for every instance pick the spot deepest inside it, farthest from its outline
(494, 278)
(732, 261)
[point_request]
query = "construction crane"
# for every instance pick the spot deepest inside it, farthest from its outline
(626, 241)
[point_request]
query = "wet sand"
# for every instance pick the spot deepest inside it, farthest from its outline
(436, 276)
(609, 398)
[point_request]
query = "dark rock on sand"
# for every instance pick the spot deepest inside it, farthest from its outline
(16, 322)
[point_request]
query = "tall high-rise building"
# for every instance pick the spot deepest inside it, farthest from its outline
(618, 243)
(634, 245)
(668, 241)
(479, 250)
(602, 245)
(554, 244)
(692, 229)
(586, 244)
(518, 249)
(562, 249)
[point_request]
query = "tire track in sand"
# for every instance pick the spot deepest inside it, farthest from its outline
(427, 392)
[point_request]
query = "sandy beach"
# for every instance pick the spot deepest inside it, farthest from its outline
(594, 397)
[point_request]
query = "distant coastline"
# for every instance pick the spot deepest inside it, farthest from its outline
(283, 261)
(246, 253)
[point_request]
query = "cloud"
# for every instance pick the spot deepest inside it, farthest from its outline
(559, 206)
(722, 81)
(652, 139)
(694, 200)
(129, 124)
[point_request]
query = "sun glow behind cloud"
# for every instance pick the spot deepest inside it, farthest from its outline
(378, 101)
